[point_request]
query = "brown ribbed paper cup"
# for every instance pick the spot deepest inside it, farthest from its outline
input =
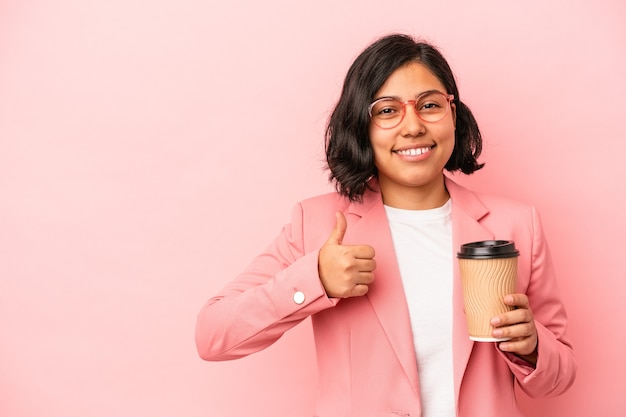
(488, 273)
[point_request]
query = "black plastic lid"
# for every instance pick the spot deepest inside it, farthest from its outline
(487, 249)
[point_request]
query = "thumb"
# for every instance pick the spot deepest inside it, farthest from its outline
(336, 237)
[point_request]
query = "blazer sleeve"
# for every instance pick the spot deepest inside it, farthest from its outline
(556, 368)
(255, 309)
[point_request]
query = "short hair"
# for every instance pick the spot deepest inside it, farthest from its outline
(349, 153)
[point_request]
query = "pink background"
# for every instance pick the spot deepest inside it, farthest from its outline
(148, 149)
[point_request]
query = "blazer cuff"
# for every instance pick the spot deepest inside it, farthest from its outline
(299, 289)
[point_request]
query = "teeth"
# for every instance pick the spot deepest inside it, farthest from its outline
(413, 152)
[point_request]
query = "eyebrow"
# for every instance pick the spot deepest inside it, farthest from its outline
(434, 90)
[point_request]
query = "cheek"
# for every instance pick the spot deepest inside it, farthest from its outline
(448, 134)
(377, 142)
(450, 144)
(451, 137)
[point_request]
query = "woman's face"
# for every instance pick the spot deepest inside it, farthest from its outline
(410, 157)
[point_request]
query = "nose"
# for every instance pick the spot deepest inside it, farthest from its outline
(411, 125)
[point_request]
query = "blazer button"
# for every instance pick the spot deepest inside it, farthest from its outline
(298, 297)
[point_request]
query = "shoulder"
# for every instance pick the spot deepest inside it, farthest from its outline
(501, 215)
(317, 210)
(329, 202)
(313, 219)
(499, 203)
(488, 203)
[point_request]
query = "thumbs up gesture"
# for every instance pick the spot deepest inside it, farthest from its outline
(345, 270)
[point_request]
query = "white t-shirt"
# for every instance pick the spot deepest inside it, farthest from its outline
(423, 245)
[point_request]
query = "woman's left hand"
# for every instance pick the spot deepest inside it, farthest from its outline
(519, 325)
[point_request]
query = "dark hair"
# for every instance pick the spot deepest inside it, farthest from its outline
(349, 154)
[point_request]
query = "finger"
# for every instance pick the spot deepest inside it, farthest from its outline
(365, 278)
(365, 265)
(336, 236)
(520, 315)
(516, 300)
(523, 346)
(363, 252)
(359, 290)
(520, 330)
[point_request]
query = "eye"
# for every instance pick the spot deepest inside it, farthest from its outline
(386, 109)
(431, 103)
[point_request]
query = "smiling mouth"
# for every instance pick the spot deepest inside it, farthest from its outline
(413, 151)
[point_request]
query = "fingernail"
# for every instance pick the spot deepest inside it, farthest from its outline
(495, 321)
(497, 333)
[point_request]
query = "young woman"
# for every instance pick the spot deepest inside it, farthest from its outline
(374, 264)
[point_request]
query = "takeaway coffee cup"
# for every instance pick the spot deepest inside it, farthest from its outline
(488, 273)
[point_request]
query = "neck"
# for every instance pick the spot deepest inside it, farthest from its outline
(425, 197)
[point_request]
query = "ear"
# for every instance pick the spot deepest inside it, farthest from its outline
(453, 110)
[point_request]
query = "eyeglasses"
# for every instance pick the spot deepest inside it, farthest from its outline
(430, 106)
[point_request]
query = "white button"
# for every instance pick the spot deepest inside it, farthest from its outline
(298, 297)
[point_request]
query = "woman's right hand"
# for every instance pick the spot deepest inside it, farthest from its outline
(345, 270)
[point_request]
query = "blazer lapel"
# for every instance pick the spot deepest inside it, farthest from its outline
(367, 224)
(467, 210)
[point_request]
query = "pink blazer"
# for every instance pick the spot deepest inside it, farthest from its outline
(366, 360)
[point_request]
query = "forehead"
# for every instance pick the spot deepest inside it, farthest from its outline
(409, 81)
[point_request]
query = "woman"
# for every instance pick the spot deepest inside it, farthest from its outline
(374, 264)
